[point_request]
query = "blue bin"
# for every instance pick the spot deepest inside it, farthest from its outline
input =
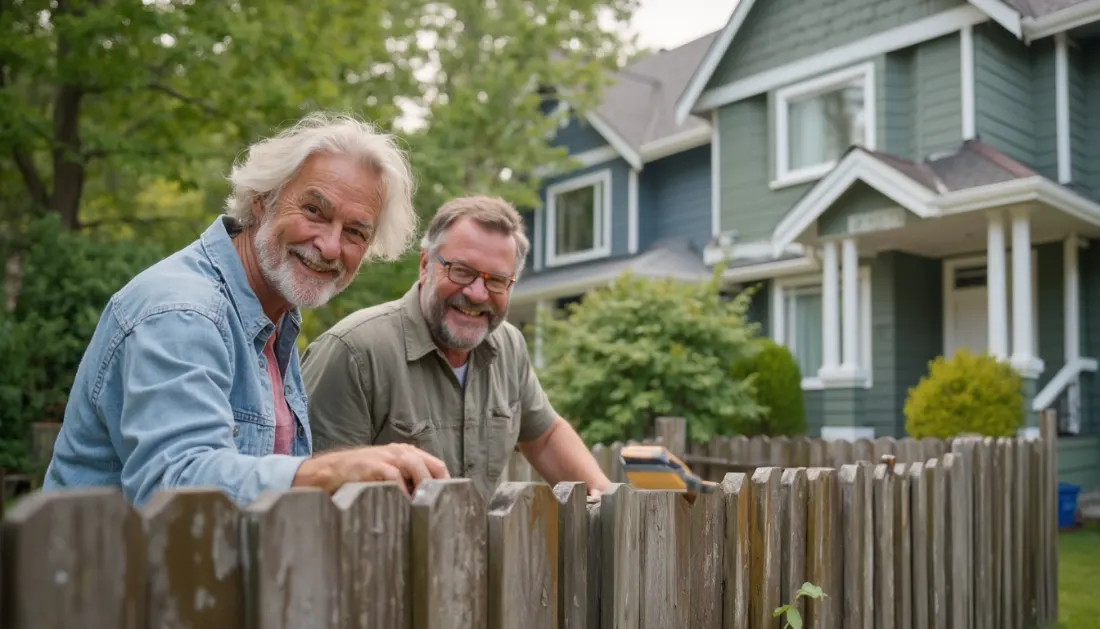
(1067, 505)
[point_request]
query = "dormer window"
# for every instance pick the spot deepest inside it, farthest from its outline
(818, 120)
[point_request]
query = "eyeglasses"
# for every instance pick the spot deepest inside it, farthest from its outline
(464, 275)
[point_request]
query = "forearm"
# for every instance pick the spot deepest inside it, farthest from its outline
(560, 455)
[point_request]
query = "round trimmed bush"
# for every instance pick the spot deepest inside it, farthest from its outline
(967, 394)
(777, 381)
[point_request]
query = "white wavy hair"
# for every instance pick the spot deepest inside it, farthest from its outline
(273, 162)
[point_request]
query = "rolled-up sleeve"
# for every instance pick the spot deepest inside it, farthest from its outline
(175, 428)
(339, 407)
(537, 412)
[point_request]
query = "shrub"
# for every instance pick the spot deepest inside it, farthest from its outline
(967, 394)
(642, 348)
(778, 387)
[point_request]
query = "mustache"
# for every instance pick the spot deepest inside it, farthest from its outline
(461, 301)
(314, 257)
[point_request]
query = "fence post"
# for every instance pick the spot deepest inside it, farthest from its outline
(672, 431)
(1049, 434)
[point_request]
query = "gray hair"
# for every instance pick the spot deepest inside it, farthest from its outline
(492, 213)
(273, 162)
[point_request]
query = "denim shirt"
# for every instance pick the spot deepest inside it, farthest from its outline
(173, 389)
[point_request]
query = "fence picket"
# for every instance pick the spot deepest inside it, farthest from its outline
(572, 554)
(374, 555)
(74, 559)
(194, 552)
(737, 490)
(885, 560)
(792, 521)
(523, 557)
(765, 542)
(824, 536)
(708, 522)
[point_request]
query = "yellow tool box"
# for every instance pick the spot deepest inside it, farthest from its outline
(654, 467)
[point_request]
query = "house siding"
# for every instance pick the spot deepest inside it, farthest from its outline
(860, 198)
(1045, 108)
(747, 203)
(1051, 345)
(1003, 93)
(937, 86)
(619, 207)
(1090, 168)
(917, 328)
(897, 103)
(578, 136)
(1089, 267)
(1083, 167)
(777, 32)
(682, 195)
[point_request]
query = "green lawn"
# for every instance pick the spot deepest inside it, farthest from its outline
(1079, 579)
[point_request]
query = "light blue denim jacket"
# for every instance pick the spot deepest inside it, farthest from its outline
(173, 390)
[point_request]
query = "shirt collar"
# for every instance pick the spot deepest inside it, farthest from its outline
(217, 243)
(418, 339)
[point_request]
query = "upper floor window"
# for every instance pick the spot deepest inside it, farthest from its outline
(817, 120)
(578, 219)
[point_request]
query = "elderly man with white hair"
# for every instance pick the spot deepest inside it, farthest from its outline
(192, 378)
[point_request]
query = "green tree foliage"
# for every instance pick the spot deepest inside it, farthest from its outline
(67, 281)
(967, 394)
(643, 348)
(777, 381)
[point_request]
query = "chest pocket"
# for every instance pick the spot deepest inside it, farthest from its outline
(503, 428)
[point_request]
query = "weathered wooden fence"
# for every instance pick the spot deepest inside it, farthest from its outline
(965, 539)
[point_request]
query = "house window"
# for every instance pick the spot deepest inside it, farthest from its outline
(578, 219)
(817, 121)
(797, 324)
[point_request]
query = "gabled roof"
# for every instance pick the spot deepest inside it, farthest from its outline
(637, 114)
(961, 181)
(1022, 18)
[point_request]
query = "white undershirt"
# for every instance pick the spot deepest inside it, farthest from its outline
(460, 373)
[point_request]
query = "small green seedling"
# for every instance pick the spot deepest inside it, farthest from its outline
(794, 619)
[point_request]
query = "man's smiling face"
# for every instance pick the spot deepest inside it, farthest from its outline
(311, 244)
(459, 316)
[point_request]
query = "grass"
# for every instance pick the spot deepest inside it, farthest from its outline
(1079, 579)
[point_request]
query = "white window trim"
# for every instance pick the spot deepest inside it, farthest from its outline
(951, 265)
(819, 85)
(778, 322)
(602, 230)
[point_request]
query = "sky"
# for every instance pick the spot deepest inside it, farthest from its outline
(670, 23)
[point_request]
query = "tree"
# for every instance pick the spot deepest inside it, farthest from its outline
(643, 348)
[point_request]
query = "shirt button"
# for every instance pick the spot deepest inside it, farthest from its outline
(301, 430)
(236, 430)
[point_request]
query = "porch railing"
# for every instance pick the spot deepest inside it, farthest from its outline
(1067, 381)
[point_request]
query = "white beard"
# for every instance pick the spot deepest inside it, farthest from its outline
(282, 271)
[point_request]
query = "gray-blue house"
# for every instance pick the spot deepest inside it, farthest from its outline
(904, 178)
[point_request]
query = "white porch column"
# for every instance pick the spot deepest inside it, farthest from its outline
(850, 287)
(1072, 297)
(830, 311)
(996, 287)
(1023, 349)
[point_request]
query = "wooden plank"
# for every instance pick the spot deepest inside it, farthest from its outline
(665, 558)
(868, 544)
(523, 557)
(194, 575)
(858, 601)
(800, 448)
(863, 450)
(903, 549)
(572, 554)
(983, 535)
(292, 568)
(824, 541)
(593, 614)
(997, 532)
(1049, 439)
(672, 431)
(618, 475)
(937, 544)
(819, 454)
(1019, 542)
(766, 559)
(885, 446)
(1028, 454)
(958, 501)
(602, 454)
(919, 517)
(840, 453)
(1007, 456)
(448, 547)
(782, 454)
(792, 521)
(962, 491)
(620, 558)
(374, 555)
(759, 450)
(737, 491)
(884, 557)
(1039, 523)
(73, 559)
(707, 566)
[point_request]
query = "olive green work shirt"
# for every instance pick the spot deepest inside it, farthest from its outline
(377, 377)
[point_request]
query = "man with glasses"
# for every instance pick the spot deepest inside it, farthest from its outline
(441, 369)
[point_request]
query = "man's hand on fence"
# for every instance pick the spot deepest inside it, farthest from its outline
(402, 463)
